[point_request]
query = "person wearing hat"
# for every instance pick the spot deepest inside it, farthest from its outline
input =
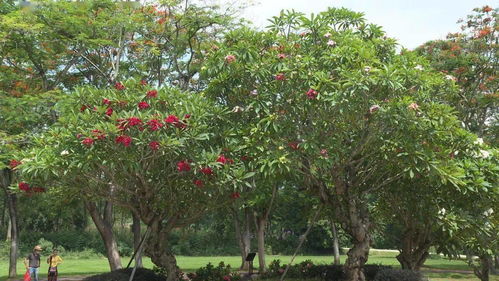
(53, 260)
(32, 262)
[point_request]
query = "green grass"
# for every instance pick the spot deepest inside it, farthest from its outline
(74, 266)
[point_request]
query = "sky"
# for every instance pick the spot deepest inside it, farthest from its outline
(411, 22)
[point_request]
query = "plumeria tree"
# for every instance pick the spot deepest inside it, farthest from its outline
(351, 115)
(163, 154)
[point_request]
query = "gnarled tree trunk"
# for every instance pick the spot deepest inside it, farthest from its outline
(415, 246)
(483, 272)
(158, 249)
(105, 228)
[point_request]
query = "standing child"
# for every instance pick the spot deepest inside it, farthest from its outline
(53, 260)
(32, 262)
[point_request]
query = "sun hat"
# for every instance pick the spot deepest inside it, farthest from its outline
(37, 248)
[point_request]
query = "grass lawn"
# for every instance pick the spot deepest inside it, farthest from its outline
(74, 266)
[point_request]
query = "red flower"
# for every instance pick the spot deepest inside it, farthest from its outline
(154, 145)
(221, 159)
(119, 86)
(14, 163)
(206, 171)
(106, 101)
(199, 183)
(280, 77)
(487, 9)
(24, 186)
(109, 111)
(83, 108)
(154, 124)
(312, 94)
(125, 140)
(143, 105)
(180, 125)
(183, 166)
(152, 94)
(230, 58)
(235, 195)
(484, 32)
(143, 82)
(293, 145)
(187, 116)
(134, 121)
(88, 141)
(227, 278)
(171, 119)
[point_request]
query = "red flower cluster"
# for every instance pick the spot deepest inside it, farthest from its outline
(224, 160)
(14, 163)
(109, 111)
(227, 278)
(143, 105)
(235, 195)
(174, 120)
(154, 145)
(487, 9)
(83, 108)
(125, 140)
(152, 94)
(24, 186)
(183, 166)
(484, 32)
(312, 94)
(106, 101)
(143, 82)
(154, 124)
(118, 86)
(206, 171)
(88, 141)
(199, 183)
(280, 77)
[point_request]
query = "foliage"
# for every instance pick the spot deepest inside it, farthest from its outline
(141, 274)
(221, 272)
(398, 275)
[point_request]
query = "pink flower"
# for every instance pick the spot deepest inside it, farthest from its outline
(106, 101)
(154, 145)
(373, 108)
(413, 106)
(125, 140)
(324, 152)
(280, 77)
(88, 141)
(312, 94)
(171, 119)
(152, 94)
(118, 86)
(281, 56)
(154, 124)
(226, 278)
(14, 163)
(23, 186)
(206, 171)
(143, 105)
(331, 43)
(109, 111)
(230, 58)
(199, 183)
(183, 166)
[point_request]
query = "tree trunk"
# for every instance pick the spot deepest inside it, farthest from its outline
(2, 212)
(5, 180)
(243, 236)
(336, 245)
(496, 264)
(9, 231)
(261, 224)
(136, 239)
(14, 237)
(158, 249)
(415, 247)
(106, 231)
(483, 272)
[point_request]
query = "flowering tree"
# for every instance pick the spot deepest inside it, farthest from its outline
(350, 115)
(156, 152)
(470, 59)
